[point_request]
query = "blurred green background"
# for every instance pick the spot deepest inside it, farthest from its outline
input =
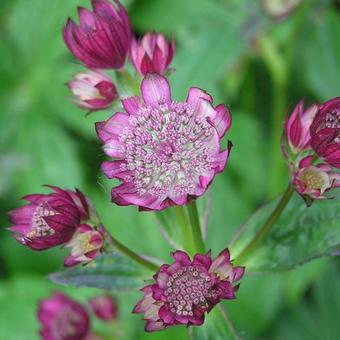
(259, 66)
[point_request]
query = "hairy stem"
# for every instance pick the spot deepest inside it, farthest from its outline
(264, 230)
(196, 227)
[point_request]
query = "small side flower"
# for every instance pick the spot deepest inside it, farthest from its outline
(185, 290)
(104, 307)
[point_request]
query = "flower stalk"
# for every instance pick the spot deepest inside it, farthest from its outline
(196, 227)
(264, 230)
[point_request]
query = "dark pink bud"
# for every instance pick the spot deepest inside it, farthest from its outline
(104, 307)
(62, 318)
(297, 127)
(102, 38)
(49, 219)
(313, 181)
(325, 132)
(86, 244)
(93, 90)
(152, 53)
(184, 291)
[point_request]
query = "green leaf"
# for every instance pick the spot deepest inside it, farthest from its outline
(112, 271)
(301, 234)
(215, 327)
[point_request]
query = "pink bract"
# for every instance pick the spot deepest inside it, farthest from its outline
(102, 38)
(152, 53)
(104, 307)
(185, 290)
(93, 90)
(62, 318)
(313, 181)
(164, 152)
(49, 219)
(325, 132)
(86, 244)
(297, 127)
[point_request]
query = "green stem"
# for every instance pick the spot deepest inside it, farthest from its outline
(264, 230)
(196, 227)
(128, 252)
(187, 235)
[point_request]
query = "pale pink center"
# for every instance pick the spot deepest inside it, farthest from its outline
(167, 149)
(188, 287)
(39, 227)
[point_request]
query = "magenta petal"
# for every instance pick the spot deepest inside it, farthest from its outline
(203, 260)
(152, 326)
(226, 290)
(155, 89)
(166, 315)
(194, 96)
(238, 272)
(305, 162)
(113, 169)
(222, 120)
(132, 104)
(181, 257)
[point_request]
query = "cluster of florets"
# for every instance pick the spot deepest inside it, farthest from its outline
(311, 144)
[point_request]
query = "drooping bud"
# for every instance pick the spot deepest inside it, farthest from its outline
(49, 219)
(152, 53)
(93, 90)
(325, 132)
(102, 38)
(104, 307)
(86, 244)
(185, 290)
(62, 318)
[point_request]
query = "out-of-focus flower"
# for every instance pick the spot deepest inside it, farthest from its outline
(102, 38)
(86, 244)
(104, 307)
(49, 219)
(325, 132)
(186, 289)
(297, 127)
(62, 318)
(93, 90)
(279, 9)
(152, 53)
(165, 152)
(313, 181)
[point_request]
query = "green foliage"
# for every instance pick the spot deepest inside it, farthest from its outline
(112, 271)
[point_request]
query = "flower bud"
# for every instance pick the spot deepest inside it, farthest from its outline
(313, 181)
(62, 318)
(279, 9)
(86, 244)
(152, 53)
(93, 90)
(102, 38)
(325, 132)
(297, 127)
(104, 307)
(49, 219)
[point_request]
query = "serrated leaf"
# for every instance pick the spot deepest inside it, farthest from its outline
(215, 327)
(300, 235)
(110, 271)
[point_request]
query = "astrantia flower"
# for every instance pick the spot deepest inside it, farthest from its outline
(297, 127)
(49, 219)
(325, 132)
(186, 289)
(313, 181)
(62, 318)
(102, 38)
(165, 152)
(86, 244)
(104, 307)
(93, 90)
(152, 53)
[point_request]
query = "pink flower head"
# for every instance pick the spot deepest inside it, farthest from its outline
(312, 181)
(152, 53)
(297, 127)
(164, 152)
(62, 318)
(102, 38)
(186, 289)
(49, 219)
(93, 90)
(104, 307)
(86, 244)
(325, 132)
